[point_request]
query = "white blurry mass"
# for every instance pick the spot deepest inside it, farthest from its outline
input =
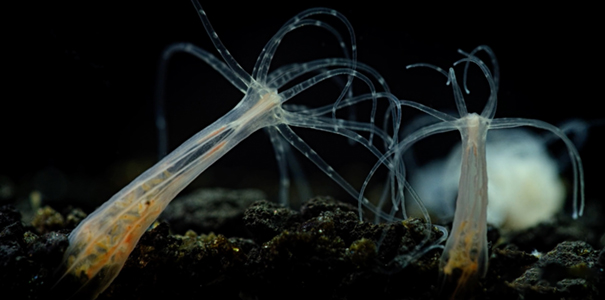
(524, 186)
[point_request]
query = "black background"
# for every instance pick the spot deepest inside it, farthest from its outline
(79, 87)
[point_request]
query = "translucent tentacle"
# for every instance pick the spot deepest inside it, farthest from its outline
(222, 50)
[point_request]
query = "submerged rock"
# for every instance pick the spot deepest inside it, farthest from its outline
(321, 251)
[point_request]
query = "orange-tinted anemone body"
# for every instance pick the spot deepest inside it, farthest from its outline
(465, 253)
(100, 245)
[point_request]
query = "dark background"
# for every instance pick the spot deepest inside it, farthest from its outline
(78, 112)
